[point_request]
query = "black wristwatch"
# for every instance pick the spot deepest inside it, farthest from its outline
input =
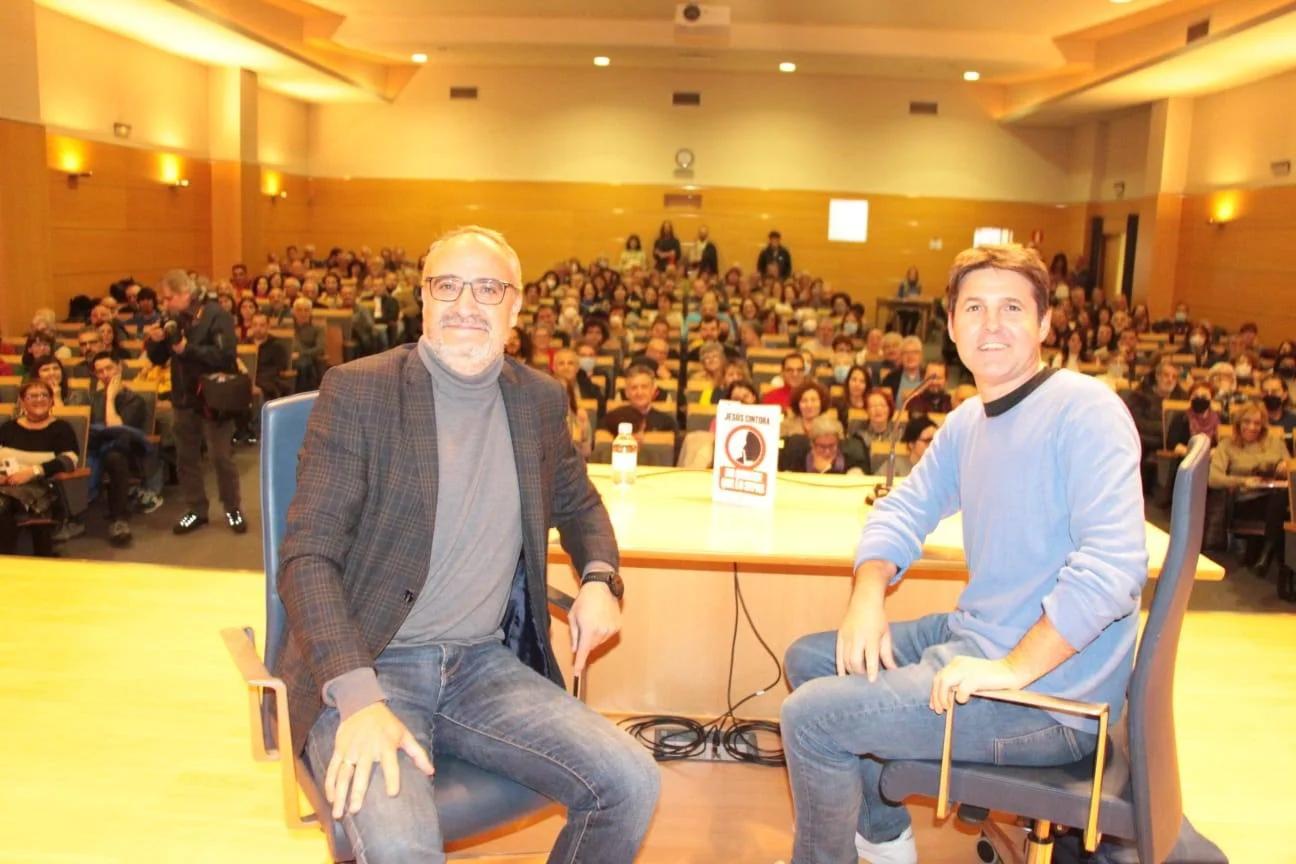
(610, 578)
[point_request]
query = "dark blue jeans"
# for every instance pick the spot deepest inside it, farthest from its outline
(479, 703)
(829, 722)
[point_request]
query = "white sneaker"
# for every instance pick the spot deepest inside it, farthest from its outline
(902, 850)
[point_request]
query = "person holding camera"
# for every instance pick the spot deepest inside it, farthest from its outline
(197, 336)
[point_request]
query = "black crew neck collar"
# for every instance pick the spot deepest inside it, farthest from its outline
(1009, 401)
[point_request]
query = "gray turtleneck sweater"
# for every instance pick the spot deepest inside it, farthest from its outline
(477, 540)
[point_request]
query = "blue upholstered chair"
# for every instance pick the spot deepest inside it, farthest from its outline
(1132, 793)
(469, 801)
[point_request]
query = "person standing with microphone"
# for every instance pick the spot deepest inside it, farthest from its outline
(1043, 464)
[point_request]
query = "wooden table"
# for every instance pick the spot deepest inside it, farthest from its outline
(680, 555)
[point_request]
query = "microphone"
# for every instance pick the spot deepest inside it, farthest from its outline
(881, 490)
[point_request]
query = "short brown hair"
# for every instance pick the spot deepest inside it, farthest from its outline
(33, 383)
(794, 400)
(1020, 260)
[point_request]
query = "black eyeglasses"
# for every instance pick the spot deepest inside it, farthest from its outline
(488, 292)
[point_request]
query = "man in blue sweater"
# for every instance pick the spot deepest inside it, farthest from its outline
(1044, 466)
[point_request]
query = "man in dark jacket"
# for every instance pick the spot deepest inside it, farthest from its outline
(197, 340)
(272, 361)
(118, 444)
(775, 254)
(705, 254)
(475, 451)
(1144, 404)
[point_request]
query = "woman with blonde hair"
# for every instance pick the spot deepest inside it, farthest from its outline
(1252, 467)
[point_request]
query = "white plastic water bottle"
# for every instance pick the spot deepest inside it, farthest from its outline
(625, 455)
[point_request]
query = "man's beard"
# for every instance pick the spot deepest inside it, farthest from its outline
(466, 359)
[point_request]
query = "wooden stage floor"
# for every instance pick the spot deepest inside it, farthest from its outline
(126, 740)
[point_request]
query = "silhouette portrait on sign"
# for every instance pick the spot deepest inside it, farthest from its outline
(752, 450)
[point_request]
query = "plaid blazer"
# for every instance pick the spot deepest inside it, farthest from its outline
(359, 530)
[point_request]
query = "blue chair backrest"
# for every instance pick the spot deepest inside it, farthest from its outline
(1158, 803)
(283, 430)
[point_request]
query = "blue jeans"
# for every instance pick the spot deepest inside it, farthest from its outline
(481, 704)
(829, 722)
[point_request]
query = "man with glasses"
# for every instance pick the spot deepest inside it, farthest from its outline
(90, 341)
(413, 571)
(794, 372)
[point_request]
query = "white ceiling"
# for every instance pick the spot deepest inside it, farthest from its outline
(1016, 45)
(1037, 17)
(177, 31)
(918, 38)
(1258, 52)
(708, 59)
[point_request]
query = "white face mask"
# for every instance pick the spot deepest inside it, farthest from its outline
(809, 325)
(1242, 370)
(850, 328)
(1197, 341)
(586, 364)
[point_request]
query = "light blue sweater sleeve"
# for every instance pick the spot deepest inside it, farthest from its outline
(901, 521)
(1102, 579)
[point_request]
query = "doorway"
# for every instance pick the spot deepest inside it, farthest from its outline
(1113, 264)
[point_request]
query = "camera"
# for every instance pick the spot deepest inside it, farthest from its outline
(692, 12)
(172, 329)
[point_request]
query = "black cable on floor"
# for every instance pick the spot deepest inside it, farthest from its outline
(671, 737)
(744, 732)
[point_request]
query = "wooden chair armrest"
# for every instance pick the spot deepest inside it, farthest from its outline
(1093, 710)
(241, 644)
(1056, 704)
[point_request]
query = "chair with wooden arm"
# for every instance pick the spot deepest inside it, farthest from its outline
(469, 801)
(1133, 794)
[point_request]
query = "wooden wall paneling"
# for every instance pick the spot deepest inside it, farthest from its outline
(126, 219)
(24, 226)
(87, 205)
(1242, 270)
(226, 201)
(286, 221)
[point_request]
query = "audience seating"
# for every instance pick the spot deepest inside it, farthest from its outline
(699, 417)
(657, 448)
(76, 484)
